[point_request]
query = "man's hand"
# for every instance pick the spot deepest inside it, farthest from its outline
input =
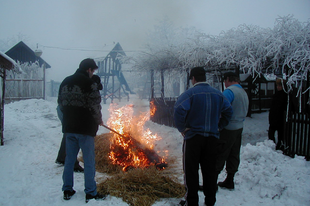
(183, 133)
(101, 124)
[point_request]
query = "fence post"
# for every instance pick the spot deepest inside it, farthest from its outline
(2, 106)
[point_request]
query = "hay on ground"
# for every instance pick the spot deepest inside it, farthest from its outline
(102, 149)
(142, 187)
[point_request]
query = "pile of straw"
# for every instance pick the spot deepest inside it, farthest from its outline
(137, 187)
(142, 187)
(102, 149)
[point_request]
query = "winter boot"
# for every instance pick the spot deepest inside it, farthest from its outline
(96, 197)
(78, 168)
(228, 182)
(68, 194)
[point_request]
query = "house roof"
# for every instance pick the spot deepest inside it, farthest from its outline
(22, 53)
(6, 62)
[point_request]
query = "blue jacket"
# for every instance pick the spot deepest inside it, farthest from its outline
(202, 109)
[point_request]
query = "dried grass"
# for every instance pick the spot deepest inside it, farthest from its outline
(137, 187)
(102, 149)
(142, 187)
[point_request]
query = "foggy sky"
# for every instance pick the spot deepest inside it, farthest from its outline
(58, 26)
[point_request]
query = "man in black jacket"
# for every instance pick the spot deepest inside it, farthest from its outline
(277, 114)
(62, 150)
(79, 101)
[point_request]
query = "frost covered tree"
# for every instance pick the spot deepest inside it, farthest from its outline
(289, 49)
(282, 50)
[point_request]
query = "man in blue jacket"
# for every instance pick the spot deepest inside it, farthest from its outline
(199, 114)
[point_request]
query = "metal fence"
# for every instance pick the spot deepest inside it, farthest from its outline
(297, 135)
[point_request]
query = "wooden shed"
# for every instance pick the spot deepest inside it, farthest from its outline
(27, 86)
(6, 63)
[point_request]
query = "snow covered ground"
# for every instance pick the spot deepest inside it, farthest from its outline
(32, 135)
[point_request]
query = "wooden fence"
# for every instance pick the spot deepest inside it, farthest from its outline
(52, 88)
(164, 111)
(297, 135)
(21, 89)
(297, 128)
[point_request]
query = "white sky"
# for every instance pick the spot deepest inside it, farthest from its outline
(96, 24)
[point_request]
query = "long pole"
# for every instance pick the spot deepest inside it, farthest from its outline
(113, 130)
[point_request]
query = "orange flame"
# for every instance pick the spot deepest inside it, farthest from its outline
(135, 148)
(152, 108)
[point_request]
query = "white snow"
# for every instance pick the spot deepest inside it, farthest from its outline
(29, 175)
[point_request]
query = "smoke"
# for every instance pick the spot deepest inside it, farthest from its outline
(102, 23)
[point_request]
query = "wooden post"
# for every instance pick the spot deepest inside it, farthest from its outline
(187, 79)
(162, 83)
(2, 105)
(44, 97)
(152, 84)
(105, 81)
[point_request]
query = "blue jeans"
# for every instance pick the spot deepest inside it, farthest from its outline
(73, 143)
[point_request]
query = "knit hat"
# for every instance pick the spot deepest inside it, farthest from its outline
(197, 71)
(230, 74)
(88, 63)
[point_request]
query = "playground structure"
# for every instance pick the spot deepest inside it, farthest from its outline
(114, 83)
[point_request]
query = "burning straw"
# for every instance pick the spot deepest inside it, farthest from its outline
(129, 145)
(137, 172)
(136, 186)
(102, 149)
(142, 187)
(105, 164)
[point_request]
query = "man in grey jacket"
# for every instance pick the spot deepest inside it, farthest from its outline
(232, 133)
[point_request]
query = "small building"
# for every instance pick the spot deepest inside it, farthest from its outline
(30, 84)
(6, 63)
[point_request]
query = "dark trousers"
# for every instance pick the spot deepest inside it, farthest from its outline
(271, 135)
(229, 151)
(62, 153)
(200, 150)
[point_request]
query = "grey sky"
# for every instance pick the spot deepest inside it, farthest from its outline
(96, 24)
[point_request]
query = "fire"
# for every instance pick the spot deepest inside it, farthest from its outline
(133, 146)
(152, 108)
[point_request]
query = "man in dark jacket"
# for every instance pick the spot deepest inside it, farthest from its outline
(199, 114)
(79, 101)
(62, 150)
(277, 114)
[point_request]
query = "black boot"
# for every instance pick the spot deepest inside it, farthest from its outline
(78, 168)
(228, 182)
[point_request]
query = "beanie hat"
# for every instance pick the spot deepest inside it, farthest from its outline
(197, 71)
(230, 74)
(88, 63)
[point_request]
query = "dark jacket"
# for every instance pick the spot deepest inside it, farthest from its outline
(277, 109)
(203, 109)
(79, 100)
